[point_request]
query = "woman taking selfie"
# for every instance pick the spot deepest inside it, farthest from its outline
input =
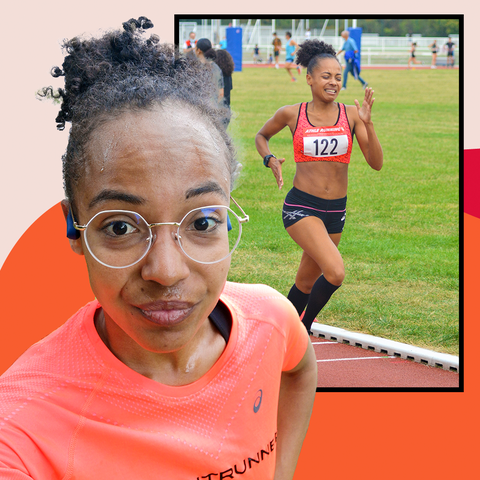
(171, 372)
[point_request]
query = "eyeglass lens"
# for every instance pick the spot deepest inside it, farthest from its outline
(122, 238)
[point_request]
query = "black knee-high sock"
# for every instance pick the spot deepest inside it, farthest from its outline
(298, 298)
(321, 292)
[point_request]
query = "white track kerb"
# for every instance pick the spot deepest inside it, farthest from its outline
(387, 347)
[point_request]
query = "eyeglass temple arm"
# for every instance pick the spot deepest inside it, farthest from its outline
(76, 226)
(245, 216)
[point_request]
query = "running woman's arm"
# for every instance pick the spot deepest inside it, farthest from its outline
(297, 393)
(293, 42)
(365, 131)
(278, 122)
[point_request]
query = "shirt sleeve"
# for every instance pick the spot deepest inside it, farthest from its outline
(296, 339)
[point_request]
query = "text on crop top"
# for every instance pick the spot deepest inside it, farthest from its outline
(330, 143)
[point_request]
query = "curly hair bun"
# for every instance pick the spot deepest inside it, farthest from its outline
(121, 71)
(311, 50)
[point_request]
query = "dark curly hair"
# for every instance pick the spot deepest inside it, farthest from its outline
(122, 71)
(225, 61)
(311, 51)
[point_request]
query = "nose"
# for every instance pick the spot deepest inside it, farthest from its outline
(165, 263)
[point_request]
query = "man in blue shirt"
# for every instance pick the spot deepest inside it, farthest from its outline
(352, 60)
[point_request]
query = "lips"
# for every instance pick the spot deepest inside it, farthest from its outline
(331, 91)
(166, 314)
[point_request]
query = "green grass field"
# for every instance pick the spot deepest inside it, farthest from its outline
(401, 240)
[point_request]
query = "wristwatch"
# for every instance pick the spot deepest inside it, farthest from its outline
(266, 159)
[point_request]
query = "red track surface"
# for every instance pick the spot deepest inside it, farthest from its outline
(346, 366)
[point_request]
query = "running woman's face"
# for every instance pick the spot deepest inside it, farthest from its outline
(160, 164)
(325, 80)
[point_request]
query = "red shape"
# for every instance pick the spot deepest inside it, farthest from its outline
(471, 182)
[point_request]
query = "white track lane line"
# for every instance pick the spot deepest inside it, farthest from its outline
(359, 358)
(324, 343)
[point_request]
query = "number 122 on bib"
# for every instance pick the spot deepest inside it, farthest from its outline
(325, 145)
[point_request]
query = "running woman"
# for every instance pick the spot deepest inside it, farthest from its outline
(291, 49)
(412, 55)
(315, 208)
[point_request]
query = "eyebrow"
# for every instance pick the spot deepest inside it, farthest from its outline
(209, 187)
(106, 195)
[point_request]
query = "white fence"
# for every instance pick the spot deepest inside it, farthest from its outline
(375, 50)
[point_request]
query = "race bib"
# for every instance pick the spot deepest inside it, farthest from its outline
(325, 142)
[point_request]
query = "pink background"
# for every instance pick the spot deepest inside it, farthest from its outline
(418, 435)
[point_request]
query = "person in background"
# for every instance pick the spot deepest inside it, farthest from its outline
(291, 48)
(277, 47)
(412, 57)
(171, 371)
(226, 64)
(450, 46)
(223, 43)
(207, 55)
(352, 62)
(190, 44)
(434, 49)
(256, 54)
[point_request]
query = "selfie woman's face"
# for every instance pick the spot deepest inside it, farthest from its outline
(160, 164)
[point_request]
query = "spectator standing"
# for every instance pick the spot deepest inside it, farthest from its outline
(450, 46)
(190, 44)
(434, 49)
(226, 64)
(207, 55)
(256, 54)
(277, 46)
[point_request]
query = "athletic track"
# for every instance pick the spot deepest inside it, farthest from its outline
(346, 366)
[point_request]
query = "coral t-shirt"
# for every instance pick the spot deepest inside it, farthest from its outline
(69, 409)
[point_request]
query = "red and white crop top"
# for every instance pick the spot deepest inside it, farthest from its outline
(314, 144)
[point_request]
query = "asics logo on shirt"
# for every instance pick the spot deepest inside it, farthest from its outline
(258, 401)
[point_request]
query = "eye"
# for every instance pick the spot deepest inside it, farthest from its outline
(118, 224)
(204, 224)
(204, 220)
(119, 228)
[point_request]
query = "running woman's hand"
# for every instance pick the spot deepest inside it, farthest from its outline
(365, 112)
(276, 165)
